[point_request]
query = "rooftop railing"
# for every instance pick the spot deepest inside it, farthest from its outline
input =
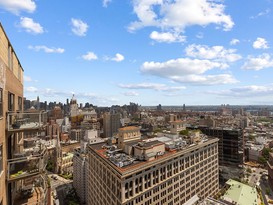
(25, 121)
(27, 164)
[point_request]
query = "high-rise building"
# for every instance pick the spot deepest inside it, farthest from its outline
(79, 174)
(74, 110)
(111, 124)
(146, 172)
(231, 150)
(22, 157)
(231, 145)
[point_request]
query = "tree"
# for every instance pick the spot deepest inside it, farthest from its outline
(184, 132)
(265, 153)
(262, 160)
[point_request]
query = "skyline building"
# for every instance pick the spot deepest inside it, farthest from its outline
(111, 124)
(150, 172)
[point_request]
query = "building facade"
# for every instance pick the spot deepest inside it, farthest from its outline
(79, 174)
(172, 178)
(111, 124)
(22, 159)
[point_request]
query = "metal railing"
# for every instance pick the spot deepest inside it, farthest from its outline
(20, 121)
(26, 165)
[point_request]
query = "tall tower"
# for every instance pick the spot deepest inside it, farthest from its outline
(74, 111)
(38, 103)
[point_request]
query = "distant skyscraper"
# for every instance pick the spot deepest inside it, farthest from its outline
(38, 103)
(74, 110)
(111, 124)
(184, 107)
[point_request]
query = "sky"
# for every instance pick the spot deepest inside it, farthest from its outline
(168, 52)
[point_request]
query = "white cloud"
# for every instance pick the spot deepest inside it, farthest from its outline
(27, 78)
(90, 56)
(258, 63)
(132, 93)
(153, 86)
(79, 27)
(30, 26)
(31, 89)
(167, 37)
(205, 79)
(214, 52)
(179, 14)
(263, 13)
(191, 71)
(16, 6)
(260, 43)
(118, 57)
(246, 91)
(46, 49)
(180, 66)
(105, 3)
(234, 41)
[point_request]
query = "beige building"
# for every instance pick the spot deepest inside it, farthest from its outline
(127, 134)
(171, 177)
(22, 158)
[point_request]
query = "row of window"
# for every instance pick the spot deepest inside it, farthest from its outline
(10, 62)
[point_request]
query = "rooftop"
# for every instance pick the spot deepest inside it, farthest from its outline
(128, 128)
(240, 193)
(134, 165)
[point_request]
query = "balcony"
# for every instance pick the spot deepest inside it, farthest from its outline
(26, 164)
(25, 121)
(32, 192)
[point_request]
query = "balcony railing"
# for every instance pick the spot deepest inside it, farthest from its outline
(25, 121)
(32, 193)
(27, 164)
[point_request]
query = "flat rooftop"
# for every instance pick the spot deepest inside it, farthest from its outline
(139, 165)
(240, 193)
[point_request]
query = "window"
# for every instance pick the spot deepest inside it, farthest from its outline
(19, 72)
(20, 104)
(11, 102)
(10, 58)
(1, 102)
(1, 158)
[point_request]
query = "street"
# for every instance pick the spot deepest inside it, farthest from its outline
(59, 187)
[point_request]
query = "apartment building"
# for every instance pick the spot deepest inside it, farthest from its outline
(22, 157)
(145, 172)
(79, 174)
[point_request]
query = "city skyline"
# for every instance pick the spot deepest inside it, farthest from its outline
(149, 52)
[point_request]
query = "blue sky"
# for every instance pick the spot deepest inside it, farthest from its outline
(170, 52)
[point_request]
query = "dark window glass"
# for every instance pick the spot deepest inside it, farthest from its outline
(11, 102)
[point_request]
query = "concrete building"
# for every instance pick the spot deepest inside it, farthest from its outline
(22, 158)
(79, 174)
(270, 170)
(111, 124)
(74, 110)
(161, 176)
